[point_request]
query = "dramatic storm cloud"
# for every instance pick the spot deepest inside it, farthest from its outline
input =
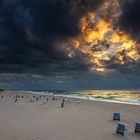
(35, 45)
(32, 31)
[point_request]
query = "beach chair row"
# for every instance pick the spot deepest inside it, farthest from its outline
(122, 128)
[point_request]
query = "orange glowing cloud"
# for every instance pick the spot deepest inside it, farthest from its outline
(100, 40)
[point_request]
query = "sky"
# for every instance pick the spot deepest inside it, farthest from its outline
(36, 51)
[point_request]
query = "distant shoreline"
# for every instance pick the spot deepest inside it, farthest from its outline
(76, 96)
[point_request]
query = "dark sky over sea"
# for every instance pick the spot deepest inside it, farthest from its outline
(34, 51)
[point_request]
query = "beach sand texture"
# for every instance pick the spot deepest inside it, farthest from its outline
(92, 120)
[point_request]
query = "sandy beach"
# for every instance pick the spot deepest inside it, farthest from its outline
(92, 120)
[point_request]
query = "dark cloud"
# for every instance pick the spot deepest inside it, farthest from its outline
(31, 29)
(33, 44)
(87, 81)
(130, 17)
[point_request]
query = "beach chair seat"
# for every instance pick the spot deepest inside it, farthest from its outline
(137, 127)
(122, 128)
(116, 116)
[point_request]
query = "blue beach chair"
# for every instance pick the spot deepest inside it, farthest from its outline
(122, 129)
(116, 116)
(137, 127)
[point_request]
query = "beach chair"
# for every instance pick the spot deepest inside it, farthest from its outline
(31, 100)
(122, 129)
(53, 98)
(45, 102)
(16, 100)
(116, 116)
(78, 103)
(63, 103)
(56, 99)
(137, 127)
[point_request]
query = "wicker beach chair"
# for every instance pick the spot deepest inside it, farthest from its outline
(78, 103)
(63, 103)
(116, 116)
(137, 127)
(122, 128)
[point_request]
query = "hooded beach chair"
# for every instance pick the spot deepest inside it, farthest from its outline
(122, 128)
(116, 116)
(63, 103)
(137, 127)
(78, 103)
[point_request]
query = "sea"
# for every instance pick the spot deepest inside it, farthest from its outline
(117, 96)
